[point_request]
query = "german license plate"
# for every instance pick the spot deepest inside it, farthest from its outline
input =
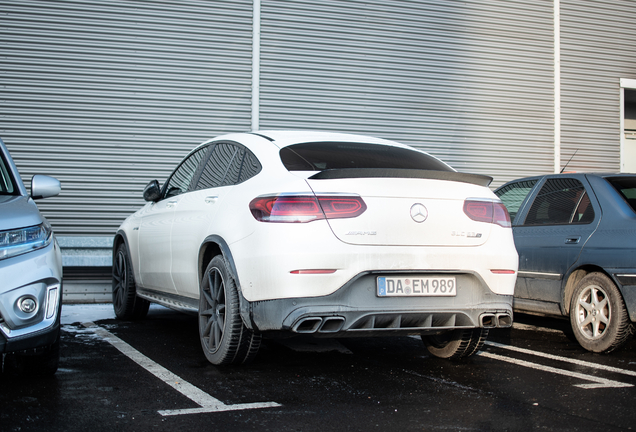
(416, 286)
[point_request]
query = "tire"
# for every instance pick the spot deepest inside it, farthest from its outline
(126, 304)
(224, 338)
(598, 315)
(456, 344)
(42, 364)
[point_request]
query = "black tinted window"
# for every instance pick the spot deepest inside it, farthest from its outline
(180, 180)
(561, 201)
(626, 186)
(514, 194)
(228, 164)
(336, 155)
(251, 167)
(216, 172)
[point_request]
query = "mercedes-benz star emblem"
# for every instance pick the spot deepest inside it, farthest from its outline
(419, 212)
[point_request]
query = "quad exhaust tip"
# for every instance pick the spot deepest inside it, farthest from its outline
(334, 324)
(491, 320)
(319, 325)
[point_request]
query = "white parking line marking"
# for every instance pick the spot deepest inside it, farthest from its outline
(207, 403)
(600, 382)
(564, 359)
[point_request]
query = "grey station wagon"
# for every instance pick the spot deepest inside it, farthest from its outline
(576, 238)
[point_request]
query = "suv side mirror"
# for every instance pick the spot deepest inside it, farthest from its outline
(44, 187)
(152, 191)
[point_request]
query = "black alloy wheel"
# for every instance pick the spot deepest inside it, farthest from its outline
(456, 344)
(126, 304)
(224, 338)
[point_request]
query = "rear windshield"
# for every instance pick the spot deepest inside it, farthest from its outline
(626, 186)
(7, 185)
(321, 156)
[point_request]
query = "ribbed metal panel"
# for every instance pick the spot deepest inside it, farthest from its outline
(597, 50)
(106, 96)
(471, 82)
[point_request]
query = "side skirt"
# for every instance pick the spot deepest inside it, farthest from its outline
(172, 301)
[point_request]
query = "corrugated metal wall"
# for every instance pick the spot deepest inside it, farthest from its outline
(598, 43)
(108, 95)
(470, 81)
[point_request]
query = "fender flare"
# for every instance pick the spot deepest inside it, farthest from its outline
(245, 306)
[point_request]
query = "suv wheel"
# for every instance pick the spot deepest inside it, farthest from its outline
(456, 344)
(224, 337)
(598, 315)
(125, 301)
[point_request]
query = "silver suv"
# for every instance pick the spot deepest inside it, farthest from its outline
(31, 274)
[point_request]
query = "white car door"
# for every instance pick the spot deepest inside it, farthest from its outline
(196, 212)
(155, 254)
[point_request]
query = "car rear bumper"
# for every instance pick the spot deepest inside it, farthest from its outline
(357, 310)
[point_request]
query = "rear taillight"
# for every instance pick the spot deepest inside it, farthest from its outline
(487, 211)
(294, 208)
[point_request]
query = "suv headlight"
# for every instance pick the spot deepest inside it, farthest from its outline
(23, 240)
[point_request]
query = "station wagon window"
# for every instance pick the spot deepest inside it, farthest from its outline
(626, 186)
(6, 182)
(514, 194)
(561, 201)
(338, 155)
(180, 180)
(228, 164)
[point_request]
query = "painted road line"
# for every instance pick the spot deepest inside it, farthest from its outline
(599, 382)
(564, 359)
(206, 402)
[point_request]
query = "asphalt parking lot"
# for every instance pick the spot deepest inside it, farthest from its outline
(152, 375)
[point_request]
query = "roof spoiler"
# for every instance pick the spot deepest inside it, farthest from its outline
(476, 179)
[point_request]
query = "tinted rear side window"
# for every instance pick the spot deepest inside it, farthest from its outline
(514, 194)
(336, 155)
(561, 201)
(626, 186)
(228, 164)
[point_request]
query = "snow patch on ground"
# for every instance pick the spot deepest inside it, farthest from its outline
(73, 313)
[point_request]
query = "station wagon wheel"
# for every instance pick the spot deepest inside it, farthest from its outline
(598, 315)
(456, 344)
(224, 337)
(126, 304)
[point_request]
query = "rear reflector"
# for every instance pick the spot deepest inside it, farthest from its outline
(487, 211)
(502, 271)
(292, 208)
(317, 271)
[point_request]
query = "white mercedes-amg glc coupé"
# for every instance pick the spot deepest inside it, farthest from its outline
(319, 233)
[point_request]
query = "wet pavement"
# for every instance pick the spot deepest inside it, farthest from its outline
(151, 375)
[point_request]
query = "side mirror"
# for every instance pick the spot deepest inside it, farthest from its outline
(44, 187)
(152, 191)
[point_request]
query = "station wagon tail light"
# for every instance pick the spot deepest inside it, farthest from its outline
(487, 211)
(295, 208)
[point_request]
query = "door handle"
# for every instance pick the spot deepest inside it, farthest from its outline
(572, 240)
(211, 199)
